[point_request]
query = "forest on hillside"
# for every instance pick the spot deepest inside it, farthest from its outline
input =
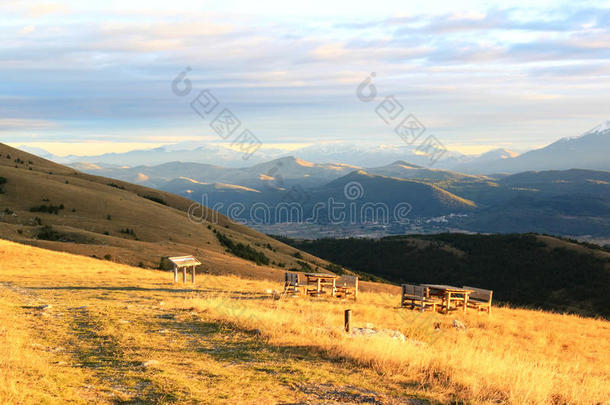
(522, 269)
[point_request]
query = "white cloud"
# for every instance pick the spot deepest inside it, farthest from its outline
(27, 30)
(11, 124)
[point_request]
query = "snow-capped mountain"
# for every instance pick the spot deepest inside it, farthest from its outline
(368, 154)
(590, 150)
(603, 127)
(587, 151)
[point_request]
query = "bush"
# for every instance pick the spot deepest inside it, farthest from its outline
(165, 264)
(48, 233)
(128, 231)
(305, 267)
(335, 268)
(107, 257)
(155, 199)
(116, 186)
(243, 251)
(298, 255)
(50, 209)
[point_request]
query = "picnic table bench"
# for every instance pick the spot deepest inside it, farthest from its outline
(448, 294)
(480, 299)
(318, 283)
(417, 296)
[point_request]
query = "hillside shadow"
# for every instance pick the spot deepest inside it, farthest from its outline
(285, 363)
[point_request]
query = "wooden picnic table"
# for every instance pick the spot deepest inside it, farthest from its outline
(449, 292)
(320, 281)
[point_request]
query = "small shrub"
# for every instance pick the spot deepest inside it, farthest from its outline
(298, 255)
(128, 231)
(165, 264)
(116, 186)
(335, 268)
(50, 209)
(155, 199)
(109, 217)
(107, 257)
(244, 251)
(305, 267)
(48, 233)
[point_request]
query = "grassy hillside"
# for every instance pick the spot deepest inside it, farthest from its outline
(56, 207)
(79, 330)
(426, 199)
(525, 270)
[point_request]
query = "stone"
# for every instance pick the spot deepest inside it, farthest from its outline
(458, 325)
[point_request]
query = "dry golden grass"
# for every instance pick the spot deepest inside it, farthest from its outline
(514, 356)
(227, 341)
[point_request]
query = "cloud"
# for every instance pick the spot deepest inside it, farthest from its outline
(11, 124)
(27, 30)
(42, 9)
(294, 78)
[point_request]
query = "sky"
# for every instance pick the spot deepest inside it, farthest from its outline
(96, 76)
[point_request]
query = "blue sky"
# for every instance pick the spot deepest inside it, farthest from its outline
(95, 76)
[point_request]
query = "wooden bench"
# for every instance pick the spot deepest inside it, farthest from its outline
(417, 296)
(348, 288)
(480, 299)
(291, 283)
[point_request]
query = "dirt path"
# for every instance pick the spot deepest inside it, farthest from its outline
(127, 348)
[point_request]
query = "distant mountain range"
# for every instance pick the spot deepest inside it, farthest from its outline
(588, 151)
(567, 202)
(563, 188)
